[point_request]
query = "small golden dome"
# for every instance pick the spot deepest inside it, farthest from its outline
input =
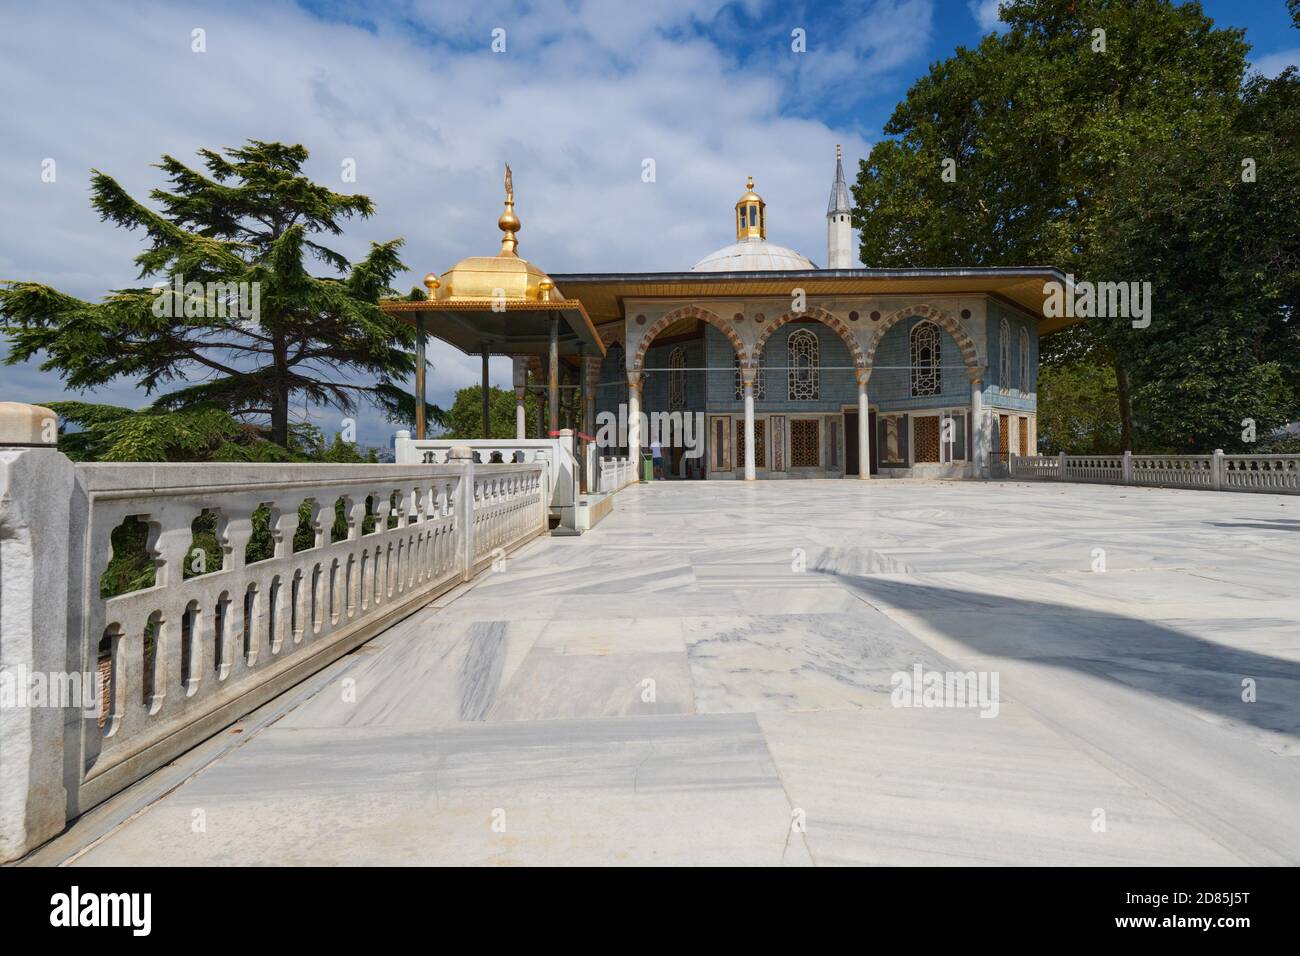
(505, 275)
(751, 214)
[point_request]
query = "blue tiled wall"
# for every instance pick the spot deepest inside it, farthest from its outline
(611, 390)
(838, 387)
(654, 387)
(890, 387)
(999, 394)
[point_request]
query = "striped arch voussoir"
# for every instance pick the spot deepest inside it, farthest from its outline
(837, 325)
(688, 312)
(969, 353)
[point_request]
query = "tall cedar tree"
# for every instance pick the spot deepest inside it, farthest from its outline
(1122, 164)
(255, 218)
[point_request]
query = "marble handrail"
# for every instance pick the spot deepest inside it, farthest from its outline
(201, 647)
(1278, 474)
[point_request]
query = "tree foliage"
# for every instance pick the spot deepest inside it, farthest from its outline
(250, 327)
(465, 417)
(1116, 164)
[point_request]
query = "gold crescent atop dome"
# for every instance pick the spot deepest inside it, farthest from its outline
(510, 186)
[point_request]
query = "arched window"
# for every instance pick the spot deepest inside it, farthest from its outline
(677, 377)
(927, 371)
(1004, 355)
(760, 379)
(1024, 361)
(805, 366)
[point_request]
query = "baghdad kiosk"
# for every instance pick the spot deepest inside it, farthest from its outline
(784, 369)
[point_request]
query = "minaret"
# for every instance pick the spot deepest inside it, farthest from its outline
(839, 230)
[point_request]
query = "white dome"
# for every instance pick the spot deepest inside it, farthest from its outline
(753, 255)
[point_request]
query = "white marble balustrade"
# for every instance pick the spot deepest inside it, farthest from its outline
(1215, 472)
(187, 655)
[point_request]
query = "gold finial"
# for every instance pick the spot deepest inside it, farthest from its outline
(545, 287)
(509, 222)
(749, 184)
(431, 283)
(837, 150)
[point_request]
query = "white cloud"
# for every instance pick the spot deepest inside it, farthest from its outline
(579, 99)
(1271, 64)
(985, 13)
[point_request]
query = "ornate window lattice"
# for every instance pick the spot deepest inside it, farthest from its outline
(760, 380)
(927, 372)
(805, 366)
(760, 443)
(925, 435)
(805, 451)
(677, 378)
(1004, 354)
(1024, 360)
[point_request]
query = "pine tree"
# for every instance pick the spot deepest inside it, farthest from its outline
(232, 312)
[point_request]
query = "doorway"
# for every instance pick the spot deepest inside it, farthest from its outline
(851, 443)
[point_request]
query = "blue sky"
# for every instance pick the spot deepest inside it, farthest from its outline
(413, 94)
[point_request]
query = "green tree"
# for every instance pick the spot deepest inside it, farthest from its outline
(1067, 143)
(249, 319)
(1078, 410)
(465, 417)
(198, 433)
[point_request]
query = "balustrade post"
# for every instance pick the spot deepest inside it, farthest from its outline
(1216, 469)
(1127, 476)
(1060, 467)
(463, 456)
(37, 530)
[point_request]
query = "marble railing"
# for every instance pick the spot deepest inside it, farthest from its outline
(1277, 473)
(557, 454)
(203, 645)
(615, 474)
(1215, 472)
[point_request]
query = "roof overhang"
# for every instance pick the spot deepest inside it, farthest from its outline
(504, 327)
(604, 294)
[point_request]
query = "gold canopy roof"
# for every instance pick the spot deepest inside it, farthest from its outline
(502, 303)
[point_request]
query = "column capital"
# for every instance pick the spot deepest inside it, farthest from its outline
(863, 374)
(748, 374)
(976, 373)
(633, 379)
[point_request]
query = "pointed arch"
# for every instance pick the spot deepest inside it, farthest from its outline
(969, 353)
(836, 324)
(676, 315)
(612, 333)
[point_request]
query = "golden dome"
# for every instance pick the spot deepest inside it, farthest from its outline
(504, 275)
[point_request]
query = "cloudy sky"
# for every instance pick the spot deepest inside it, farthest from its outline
(412, 92)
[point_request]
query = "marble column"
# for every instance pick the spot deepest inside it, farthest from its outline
(634, 420)
(590, 382)
(486, 395)
(420, 399)
(520, 363)
(553, 376)
(521, 415)
(864, 419)
(978, 456)
(748, 376)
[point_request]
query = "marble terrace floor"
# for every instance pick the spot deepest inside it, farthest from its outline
(705, 679)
